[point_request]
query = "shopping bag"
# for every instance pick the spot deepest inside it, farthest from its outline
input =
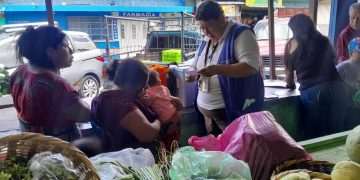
(257, 139)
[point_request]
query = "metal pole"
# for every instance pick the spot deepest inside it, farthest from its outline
(182, 36)
(313, 8)
(271, 39)
(107, 39)
(49, 12)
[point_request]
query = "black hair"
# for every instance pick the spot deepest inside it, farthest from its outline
(208, 10)
(33, 43)
(131, 71)
(310, 42)
(111, 70)
(153, 77)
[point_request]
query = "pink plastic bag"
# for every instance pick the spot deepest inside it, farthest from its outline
(257, 139)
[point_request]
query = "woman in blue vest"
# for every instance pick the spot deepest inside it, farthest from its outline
(227, 62)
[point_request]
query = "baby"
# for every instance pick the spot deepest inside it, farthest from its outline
(157, 97)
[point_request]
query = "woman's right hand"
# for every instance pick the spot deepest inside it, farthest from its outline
(191, 78)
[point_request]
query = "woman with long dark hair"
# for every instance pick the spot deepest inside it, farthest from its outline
(44, 101)
(311, 56)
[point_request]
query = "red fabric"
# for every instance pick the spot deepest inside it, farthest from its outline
(343, 42)
(257, 139)
(162, 70)
(41, 98)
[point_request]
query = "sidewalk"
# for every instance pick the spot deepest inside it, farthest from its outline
(6, 101)
(9, 123)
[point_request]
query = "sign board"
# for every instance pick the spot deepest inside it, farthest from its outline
(229, 10)
(114, 26)
(262, 3)
(139, 14)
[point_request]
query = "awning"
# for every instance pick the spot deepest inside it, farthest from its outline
(263, 3)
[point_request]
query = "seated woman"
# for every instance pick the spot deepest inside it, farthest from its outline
(44, 101)
(125, 120)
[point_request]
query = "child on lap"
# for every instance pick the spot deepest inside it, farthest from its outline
(157, 97)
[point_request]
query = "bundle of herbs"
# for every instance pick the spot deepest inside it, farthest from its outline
(15, 168)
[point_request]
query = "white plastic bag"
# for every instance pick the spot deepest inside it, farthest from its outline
(107, 163)
(136, 158)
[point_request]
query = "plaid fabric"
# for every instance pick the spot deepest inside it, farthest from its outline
(67, 134)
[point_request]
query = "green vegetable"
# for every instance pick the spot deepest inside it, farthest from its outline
(4, 83)
(15, 167)
(5, 176)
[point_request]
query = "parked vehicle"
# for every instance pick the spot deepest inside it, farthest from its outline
(282, 34)
(158, 41)
(86, 70)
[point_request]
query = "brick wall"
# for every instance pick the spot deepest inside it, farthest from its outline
(288, 12)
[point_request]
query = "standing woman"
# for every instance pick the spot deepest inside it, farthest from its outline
(311, 55)
(44, 101)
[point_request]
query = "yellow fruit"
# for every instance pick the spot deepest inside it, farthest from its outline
(346, 170)
(353, 145)
(297, 176)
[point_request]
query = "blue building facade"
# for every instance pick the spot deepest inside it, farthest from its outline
(88, 15)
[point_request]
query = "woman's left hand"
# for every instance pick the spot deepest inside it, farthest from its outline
(209, 71)
(176, 102)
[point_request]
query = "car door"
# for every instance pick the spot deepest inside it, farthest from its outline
(7, 51)
(85, 54)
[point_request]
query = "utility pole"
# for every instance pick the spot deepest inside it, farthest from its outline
(271, 39)
(49, 12)
(313, 8)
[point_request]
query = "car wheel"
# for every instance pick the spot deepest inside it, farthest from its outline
(89, 86)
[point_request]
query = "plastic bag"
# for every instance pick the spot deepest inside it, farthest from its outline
(107, 163)
(190, 164)
(257, 139)
(46, 165)
(136, 158)
(109, 169)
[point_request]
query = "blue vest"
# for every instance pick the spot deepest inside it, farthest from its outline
(238, 91)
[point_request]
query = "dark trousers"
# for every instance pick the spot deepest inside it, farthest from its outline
(324, 108)
(215, 120)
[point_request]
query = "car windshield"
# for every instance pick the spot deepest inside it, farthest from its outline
(282, 31)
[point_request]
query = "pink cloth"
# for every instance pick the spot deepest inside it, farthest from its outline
(158, 98)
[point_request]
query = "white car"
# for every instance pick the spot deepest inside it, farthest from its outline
(85, 74)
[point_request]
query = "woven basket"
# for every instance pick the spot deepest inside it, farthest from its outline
(316, 169)
(26, 145)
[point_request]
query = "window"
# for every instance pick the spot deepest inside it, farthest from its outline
(95, 26)
(133, 30)
(122, 29)
(82, 42)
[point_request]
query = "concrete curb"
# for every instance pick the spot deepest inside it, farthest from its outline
(6, 101)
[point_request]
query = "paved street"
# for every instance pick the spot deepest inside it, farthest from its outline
(8, 122)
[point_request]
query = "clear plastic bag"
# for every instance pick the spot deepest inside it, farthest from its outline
(46, 165)
(136, 158)
(190, 164)
(109, 169)
(108, 163)
(257, 139)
